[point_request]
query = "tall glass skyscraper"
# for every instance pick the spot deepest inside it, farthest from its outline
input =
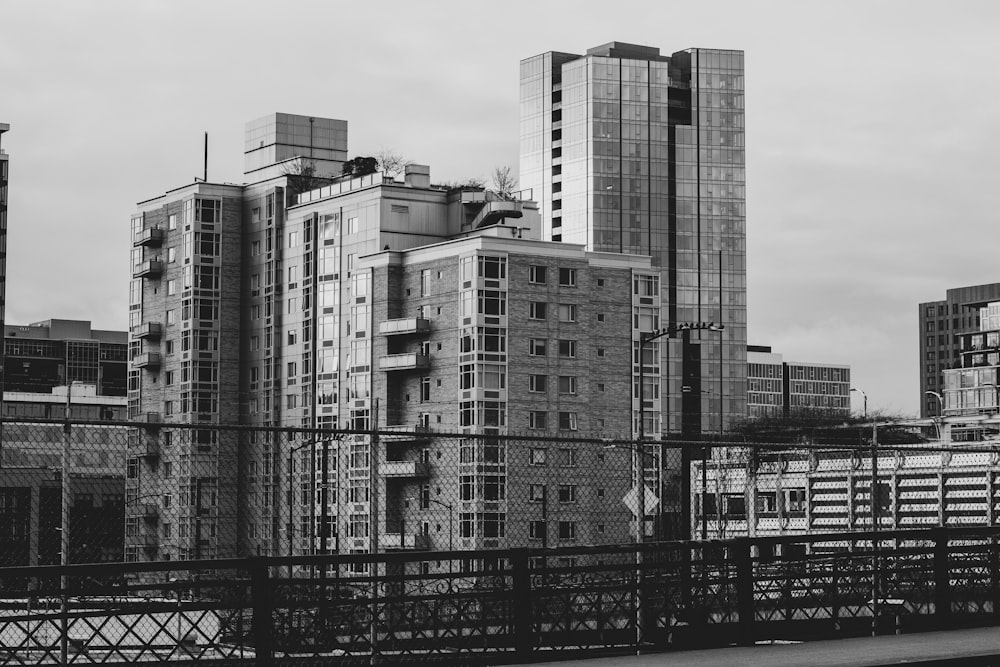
(628, 151)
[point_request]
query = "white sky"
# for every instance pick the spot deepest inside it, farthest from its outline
(872, 136)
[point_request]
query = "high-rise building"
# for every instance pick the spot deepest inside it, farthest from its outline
(630, 151)
(941, 324)
(779, 388)
(4, 127)
(369, 302)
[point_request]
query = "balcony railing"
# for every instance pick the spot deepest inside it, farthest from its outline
(403, 362)
(151, 268)
(413, 469)
(402, 433)
(152, 237)
(404, 326)
(391, 541)
(150, 330)
(147, 360)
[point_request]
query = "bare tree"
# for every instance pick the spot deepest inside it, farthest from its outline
(503, 181)
(391, 163)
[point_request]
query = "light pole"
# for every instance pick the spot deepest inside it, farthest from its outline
(646, 337)
(865, 396)
(940, 400)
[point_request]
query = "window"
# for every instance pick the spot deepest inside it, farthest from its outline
(425, 282)
(536, 530)
(171, 255)
(736, 506)
(172, 221)
(538, 456)
(537, 419)
(536, 310)
(767, 502)
(567, 349)
(537, 383)
(255, 247)
(537, 493)
(536, 275)
(600, 351)
(567, 530)
(567, 277)
(536, 347)
(567, 312)
(567, 384)
(567, 493)
(600, 317)
(567, 457)
(795, 501)
(171, 316)
(425, 389)
(293, 239)
(171, 287)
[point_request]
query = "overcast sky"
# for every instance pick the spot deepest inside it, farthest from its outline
(872, 136)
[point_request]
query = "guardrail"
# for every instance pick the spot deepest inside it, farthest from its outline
(501, 605)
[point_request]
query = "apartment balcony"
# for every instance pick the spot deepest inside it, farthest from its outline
(404, 326)
(150, 512)
(148, 540)
(148, 330)
(405, 469)
(404, 362)
(149, 447)
(151, 268)
(152, 418)
(397, 542)
(150, 360)
(151, 238)
(404, 433)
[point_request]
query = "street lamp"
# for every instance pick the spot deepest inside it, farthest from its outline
(940, 400)
(646, 337)
(865, 396)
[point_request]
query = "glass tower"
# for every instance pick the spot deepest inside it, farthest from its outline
(628, 151)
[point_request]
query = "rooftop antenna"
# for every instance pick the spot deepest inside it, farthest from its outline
(205, 173)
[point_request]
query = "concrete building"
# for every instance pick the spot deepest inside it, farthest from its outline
(31, 477)
(53, 353)
(779, 388)
(799, 491)
(364, 303)
(630, 151)
(941, 324)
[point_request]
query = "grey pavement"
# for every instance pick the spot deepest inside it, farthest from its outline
(980, 646)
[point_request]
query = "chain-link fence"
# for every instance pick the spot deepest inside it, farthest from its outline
(149, 491)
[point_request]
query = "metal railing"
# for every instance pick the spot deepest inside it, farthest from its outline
(501, 605)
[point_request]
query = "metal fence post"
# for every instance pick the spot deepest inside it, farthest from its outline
(744, 591)
(521, 610)
(942, 580)
(262, 623)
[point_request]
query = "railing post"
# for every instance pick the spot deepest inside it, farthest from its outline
(942, 580)
(262, 624)
(521, 610)
(744, 591)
